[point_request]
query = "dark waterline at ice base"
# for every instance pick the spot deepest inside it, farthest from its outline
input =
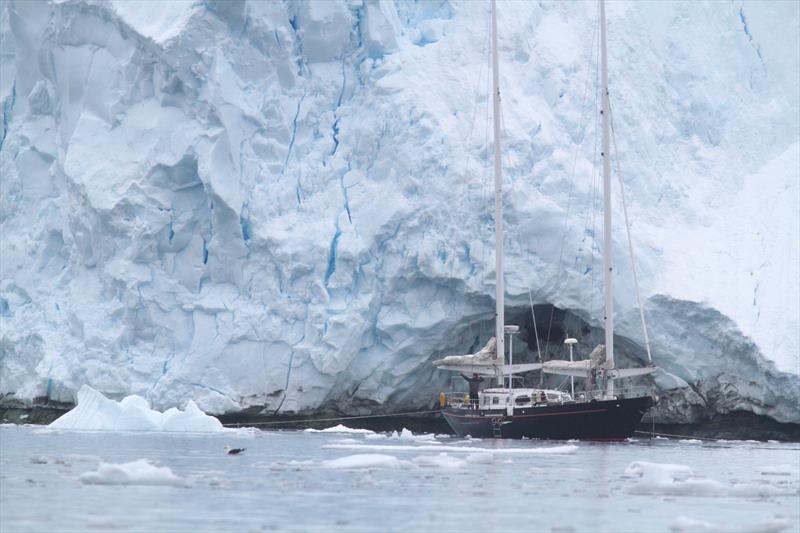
(312, 481)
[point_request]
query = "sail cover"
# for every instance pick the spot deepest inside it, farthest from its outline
(486, 357)
(597, 359)
(566, 365)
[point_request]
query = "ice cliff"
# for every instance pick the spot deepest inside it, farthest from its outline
(288, 204)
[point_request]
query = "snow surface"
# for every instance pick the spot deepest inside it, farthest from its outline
(141, 472)
(288, 204)
(96, 412)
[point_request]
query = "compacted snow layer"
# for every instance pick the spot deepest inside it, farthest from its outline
(288, 204)
(96, 412)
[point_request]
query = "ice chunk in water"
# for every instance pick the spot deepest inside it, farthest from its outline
(366, 460)
(141, 472)
(441, 460)
(340, 429)
(680, 480)
(684, 524)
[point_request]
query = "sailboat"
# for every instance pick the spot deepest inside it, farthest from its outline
(603, 411)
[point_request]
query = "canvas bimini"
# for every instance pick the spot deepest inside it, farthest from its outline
(603, 412)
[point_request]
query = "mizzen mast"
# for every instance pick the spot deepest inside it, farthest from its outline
(608, 263)
(498, 200)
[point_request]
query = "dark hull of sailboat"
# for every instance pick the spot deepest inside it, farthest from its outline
(595, 420)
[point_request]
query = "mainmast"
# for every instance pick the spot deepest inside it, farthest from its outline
(498, 200)
(608, 265)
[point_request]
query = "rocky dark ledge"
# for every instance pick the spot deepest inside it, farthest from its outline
(737, 425)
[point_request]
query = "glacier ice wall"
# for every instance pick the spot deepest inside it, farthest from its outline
(288, 204)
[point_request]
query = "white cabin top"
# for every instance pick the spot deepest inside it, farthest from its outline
(499, 398)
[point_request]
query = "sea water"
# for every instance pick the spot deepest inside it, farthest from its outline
(57, 480)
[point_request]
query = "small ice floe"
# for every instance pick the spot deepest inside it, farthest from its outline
(340, 429)
(47, 460)
(352, 441)
(365, 461)
(684, 524)
(369, 461)
(96, 412)
(65, 460)
(407, 435)
(441, 460)
(141, 472)
(288, 465)
(680, 480)
(564, 449)
(780, 470)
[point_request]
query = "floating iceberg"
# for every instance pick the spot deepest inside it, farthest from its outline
(96, 412)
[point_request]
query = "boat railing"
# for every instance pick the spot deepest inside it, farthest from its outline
(459, 400)
(619, 394)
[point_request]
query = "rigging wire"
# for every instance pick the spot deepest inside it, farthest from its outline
(569, 196)
(628, 231)
(535, 329)
(487, 168)
(595, 295)
(468, 143)
(466, 198)
(332, 419)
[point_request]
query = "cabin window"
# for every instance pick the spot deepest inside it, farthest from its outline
(495, 399)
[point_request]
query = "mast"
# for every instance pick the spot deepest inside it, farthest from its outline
(498, 200)
(608, 265)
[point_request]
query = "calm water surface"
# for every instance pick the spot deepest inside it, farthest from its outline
(299, 481)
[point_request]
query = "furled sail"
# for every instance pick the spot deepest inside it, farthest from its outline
(597, 359)
(485, 357)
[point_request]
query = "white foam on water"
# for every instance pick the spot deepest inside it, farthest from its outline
(141, 472)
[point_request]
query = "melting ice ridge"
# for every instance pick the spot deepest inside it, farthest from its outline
(286, 204)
